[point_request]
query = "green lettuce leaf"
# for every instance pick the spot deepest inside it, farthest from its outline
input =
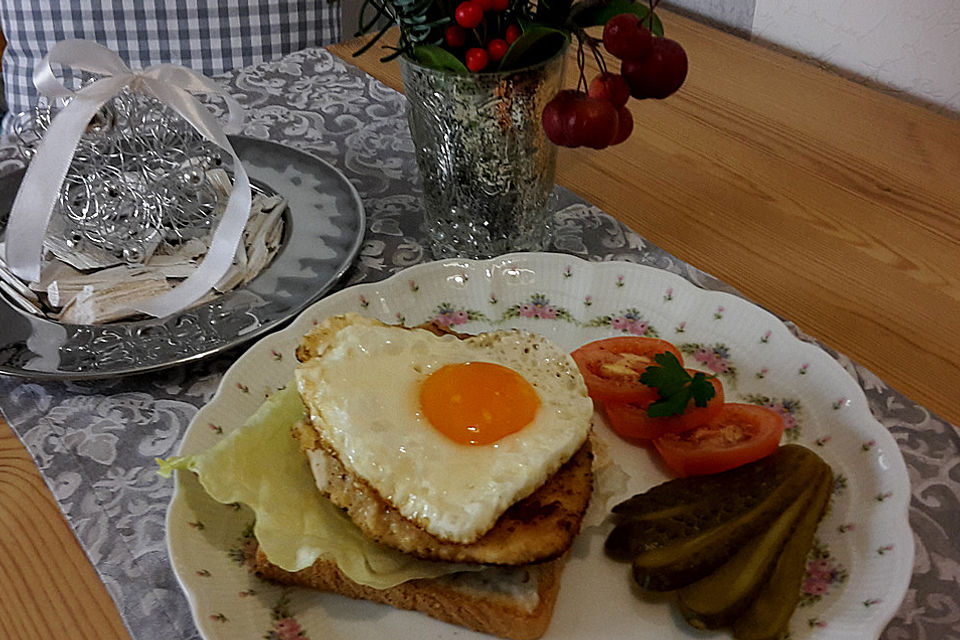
(261, 466)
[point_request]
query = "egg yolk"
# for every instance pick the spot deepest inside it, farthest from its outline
(477, 402)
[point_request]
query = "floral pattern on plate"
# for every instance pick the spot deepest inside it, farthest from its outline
(823, 574)
(712, 357)
(868, 511)
(285, 625)
(630, 321)
(789, 409)
(537, 306)
(448, 315)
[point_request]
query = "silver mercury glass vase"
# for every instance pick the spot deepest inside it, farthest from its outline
(486, 164)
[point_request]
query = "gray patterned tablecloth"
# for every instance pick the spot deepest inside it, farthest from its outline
(95, 442)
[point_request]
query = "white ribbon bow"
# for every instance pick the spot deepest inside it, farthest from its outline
(41, 184)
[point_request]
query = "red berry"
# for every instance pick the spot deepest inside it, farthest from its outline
(610, 87)
(591, 122)
(477, 59)
(659, 74)
(455, 36)
(469, 14)
(625, 38)
(574, 119)
(555, 115)
(513, 32)
(497, 48)
(486, 5)
(624, 125)
(500, 5)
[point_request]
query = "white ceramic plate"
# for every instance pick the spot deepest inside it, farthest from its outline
(864, 553)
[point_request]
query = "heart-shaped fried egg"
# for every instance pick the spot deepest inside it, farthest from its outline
(451, 432)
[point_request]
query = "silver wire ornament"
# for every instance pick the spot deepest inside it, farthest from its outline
(138, 182)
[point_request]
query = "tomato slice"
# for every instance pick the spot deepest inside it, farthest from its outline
(740, 433)
(612, 367)
(630, 419)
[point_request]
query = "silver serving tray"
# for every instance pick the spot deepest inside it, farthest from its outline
(323, 232)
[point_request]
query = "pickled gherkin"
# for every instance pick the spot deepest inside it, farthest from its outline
(768, 617)
(731, 546)
(718, 599)
(685, 493)
(687, 507)
(683, 560)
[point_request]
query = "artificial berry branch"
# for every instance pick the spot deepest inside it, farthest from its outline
(581, 64)
(649, 17)
(594, 43)
(473, 36)
(651, 66)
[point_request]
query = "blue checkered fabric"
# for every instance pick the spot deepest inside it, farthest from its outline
(210, 36)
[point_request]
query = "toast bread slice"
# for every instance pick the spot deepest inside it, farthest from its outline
(509, 602)
(514, 601)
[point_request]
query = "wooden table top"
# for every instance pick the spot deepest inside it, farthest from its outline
(828, 203)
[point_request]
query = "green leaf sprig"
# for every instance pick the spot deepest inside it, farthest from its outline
(675, 386)
(592, 14)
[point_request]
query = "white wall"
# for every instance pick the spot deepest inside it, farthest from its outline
(911, 46)
(735, 16)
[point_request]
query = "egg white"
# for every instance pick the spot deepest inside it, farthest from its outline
(362, 394)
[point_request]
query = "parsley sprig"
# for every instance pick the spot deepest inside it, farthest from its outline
(675, 386)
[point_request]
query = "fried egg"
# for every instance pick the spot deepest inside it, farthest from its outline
(450, 432)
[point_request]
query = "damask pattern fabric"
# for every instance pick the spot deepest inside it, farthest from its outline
(95, 442)
(210, 36)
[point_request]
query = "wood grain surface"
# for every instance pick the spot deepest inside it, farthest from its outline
(48, 588)
(828, 203)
